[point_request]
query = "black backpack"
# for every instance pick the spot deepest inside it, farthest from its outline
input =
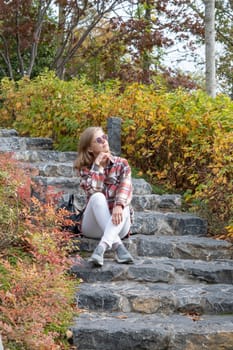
(74, 215)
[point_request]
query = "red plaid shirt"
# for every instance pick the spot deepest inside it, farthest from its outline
(114, 181)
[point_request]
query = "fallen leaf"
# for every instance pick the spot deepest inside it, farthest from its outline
(122, 317)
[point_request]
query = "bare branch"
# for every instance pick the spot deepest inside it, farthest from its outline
(18, 44)
(69, 48)
(37, 32)
(6, 57)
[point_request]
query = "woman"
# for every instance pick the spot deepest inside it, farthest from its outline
(106, 180)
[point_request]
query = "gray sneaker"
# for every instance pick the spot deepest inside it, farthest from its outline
(122, 255)
(97, 257)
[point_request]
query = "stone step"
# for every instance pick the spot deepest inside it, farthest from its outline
(8, 132)
(70, 185)
(185, 247)
(141, 187)
(177, 247)
(51, 163)
(145, 222)
(156, 201)
(150, 298)
(123, 331)
(57, 184)
(34, 156)
(52, 169)
(168, 223)
(156, 270)
(146, 202)
(15, 143)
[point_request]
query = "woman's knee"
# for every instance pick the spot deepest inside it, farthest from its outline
(97, 198)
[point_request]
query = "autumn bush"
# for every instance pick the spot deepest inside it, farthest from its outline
(181, 140)
(47, 106)
(185, 141)
(36, 292)
(10, 208)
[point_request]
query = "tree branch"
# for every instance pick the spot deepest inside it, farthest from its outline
(71, 48)
(18, 44)
(37, 32)
(6, 57)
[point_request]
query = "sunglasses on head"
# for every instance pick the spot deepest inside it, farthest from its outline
(102, 138)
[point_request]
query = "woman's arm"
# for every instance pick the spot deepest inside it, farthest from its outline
(92, 180)
(125, 188)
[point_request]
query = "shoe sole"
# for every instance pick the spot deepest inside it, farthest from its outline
(96, 262)
(124, 261)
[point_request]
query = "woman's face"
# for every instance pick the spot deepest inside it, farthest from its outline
(99, 143)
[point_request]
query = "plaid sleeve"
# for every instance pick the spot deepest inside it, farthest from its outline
(92, 180)
(124, 190)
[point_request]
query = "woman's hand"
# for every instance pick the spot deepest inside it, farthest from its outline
(102, 158)
(117, 215)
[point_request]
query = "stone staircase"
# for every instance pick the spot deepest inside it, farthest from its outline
(179, 293)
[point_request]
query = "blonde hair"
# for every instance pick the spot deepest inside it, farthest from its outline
(85, 158)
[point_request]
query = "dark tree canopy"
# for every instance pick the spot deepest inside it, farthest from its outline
(123, 39)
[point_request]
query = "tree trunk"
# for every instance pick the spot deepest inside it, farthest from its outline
(60, 42)
(231, 3)
(42, 10)
(210, 47)
(146, 59)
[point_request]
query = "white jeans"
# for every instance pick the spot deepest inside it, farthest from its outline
(97, 221)
(1, 346)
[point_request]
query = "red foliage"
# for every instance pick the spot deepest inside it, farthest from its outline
(36, 295)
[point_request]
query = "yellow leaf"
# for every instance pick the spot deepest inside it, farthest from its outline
(18, 105)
